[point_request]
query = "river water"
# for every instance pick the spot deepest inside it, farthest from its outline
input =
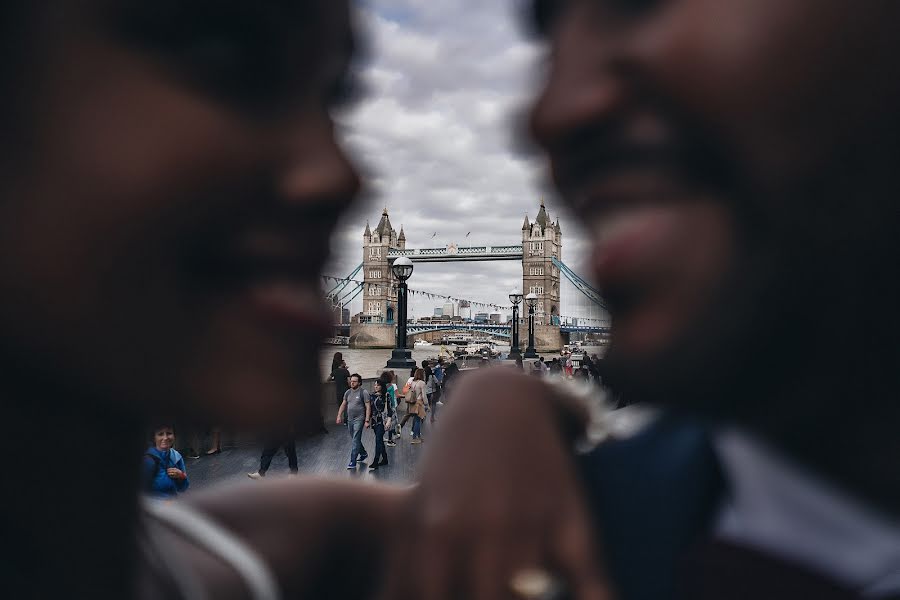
(370, 363)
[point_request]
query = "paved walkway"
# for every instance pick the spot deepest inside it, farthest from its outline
(327, 454)
(323, 454)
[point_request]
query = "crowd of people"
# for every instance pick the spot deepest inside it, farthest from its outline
(358, 409)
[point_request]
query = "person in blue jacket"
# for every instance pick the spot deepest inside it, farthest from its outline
(164, 470)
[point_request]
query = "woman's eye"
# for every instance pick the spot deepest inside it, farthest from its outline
(347, 90)
(239, 61)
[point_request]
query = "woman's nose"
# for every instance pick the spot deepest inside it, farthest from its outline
(316, 168)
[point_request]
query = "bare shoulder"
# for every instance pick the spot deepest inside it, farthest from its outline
(303, 527)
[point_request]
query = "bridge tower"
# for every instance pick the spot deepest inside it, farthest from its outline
(380, 289)
(542, 242)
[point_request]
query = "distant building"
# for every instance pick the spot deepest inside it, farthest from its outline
(450, 309)
(438, 311)
(380, 286)
(337, 314)
(481, 317)
(541, 243)
(465, 310)
(494, 318)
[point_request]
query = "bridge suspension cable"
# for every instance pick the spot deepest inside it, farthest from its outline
(358, 287)
(343, 283)
(580, 284)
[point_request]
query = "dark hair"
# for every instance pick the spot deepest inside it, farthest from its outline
(357, 375)
(385, 378)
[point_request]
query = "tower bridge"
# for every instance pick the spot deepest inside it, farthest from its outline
(454, 253)
(539, 252)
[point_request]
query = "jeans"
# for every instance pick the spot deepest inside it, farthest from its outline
(417, 427)
(393, 429)
(380, 452)
(356, 430)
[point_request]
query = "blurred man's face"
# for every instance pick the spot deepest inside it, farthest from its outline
(168, 207)
(720, 152)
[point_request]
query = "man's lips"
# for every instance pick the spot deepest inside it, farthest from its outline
(628, 240)
(657, 263)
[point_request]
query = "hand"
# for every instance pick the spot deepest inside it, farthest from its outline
(174, 473)
(366, 424)
(472, 541)
(339, 420)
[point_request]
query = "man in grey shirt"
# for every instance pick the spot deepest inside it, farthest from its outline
(356, 403)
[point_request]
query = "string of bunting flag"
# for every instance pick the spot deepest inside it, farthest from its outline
(338, 280)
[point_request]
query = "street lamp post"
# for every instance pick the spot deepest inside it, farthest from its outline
(401, 357)
(515, 297)
(531, 301)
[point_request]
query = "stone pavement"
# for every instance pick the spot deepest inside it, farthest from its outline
(322, 454)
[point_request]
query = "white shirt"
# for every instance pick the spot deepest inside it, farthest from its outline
(779, 507)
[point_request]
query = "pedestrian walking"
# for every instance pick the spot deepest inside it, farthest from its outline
(418, 407)
(379, 403)
(407, 395)
(288, 442)
(431, 388)
(341, 377)
(165, 475)
(215, 444)
(392, 424)
(356, 405)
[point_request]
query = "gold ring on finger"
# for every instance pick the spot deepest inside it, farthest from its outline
(536, 584)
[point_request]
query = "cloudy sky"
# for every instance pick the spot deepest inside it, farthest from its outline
(435, 135)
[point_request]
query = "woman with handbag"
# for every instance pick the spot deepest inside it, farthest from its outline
(408, 396)
(418, 404)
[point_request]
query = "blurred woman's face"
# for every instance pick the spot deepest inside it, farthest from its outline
(170, 198)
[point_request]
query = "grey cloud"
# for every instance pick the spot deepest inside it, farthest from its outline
(447, 81)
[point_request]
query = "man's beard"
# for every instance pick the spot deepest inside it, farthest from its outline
(788, 331)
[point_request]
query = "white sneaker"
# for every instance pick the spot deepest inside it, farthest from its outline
(255, 475)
